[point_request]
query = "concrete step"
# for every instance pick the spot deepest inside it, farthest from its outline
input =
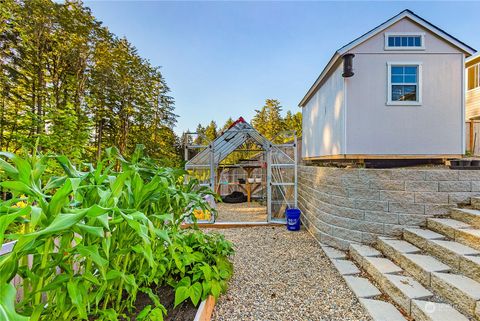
(401, 289)
(463, 291)
(456, 230)
(460, 257)
(431, 273)
(362, 287)
(433, 311)
(359, 251)
(475, 202)
(381, 310)
(368, 294)
(470, 216)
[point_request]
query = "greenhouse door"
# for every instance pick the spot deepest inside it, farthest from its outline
(281, 179)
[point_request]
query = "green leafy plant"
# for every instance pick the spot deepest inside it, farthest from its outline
(96, 237)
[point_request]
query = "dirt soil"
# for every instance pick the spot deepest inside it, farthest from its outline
(184, 312)
(241, 212)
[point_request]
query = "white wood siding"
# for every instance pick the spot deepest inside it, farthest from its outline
(323, 118)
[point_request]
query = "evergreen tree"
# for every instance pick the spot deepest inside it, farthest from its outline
(68, 82)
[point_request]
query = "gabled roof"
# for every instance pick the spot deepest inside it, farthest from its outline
(232, 138)
(404, 14)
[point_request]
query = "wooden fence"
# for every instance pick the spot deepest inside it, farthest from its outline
(472, 136)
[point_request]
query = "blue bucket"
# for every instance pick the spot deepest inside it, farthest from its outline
(293, 219)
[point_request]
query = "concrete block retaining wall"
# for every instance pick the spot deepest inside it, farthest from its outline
(344, 205)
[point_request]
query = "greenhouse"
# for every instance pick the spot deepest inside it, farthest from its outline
(241, 165)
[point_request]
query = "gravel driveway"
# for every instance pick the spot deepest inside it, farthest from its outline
(282, 275)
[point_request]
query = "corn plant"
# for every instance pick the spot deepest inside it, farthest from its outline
(93, 238)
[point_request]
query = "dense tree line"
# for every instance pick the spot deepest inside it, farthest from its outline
(71, 85)
(268, 121)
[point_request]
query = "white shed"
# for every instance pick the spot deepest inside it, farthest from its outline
(395, 92)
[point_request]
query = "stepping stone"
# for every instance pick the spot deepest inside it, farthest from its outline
(345, 267)
(333, 253)
(433, 311)
(421, 266)
(461, 290)
(359, 252)
(362, 287)
(403, 289)
(382, 311)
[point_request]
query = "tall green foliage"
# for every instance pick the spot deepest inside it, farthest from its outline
(95, 237)
(65, 78)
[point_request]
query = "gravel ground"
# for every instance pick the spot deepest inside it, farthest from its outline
(241, 212)
(282, 275)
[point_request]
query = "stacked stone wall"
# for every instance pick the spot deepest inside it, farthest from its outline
(344, 205)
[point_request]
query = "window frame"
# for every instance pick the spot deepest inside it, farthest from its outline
(476, 83)
(391, 102)
(405, 34)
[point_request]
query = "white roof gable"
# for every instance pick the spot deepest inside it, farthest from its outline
(402, 15)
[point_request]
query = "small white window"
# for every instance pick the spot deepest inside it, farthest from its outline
(404, 83)
(404, 41)
(473, 74)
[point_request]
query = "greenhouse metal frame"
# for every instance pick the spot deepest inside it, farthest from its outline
(281, 160)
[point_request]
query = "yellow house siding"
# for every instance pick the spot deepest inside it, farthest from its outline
(472, 103)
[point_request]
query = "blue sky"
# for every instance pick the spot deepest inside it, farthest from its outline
(224, 59)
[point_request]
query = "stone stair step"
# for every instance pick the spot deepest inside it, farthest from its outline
(470, 266)
(394, 248)
(467, 215)
(422, 266)
(376, 266)
(446, 226)
(409, 258)
(475, 202)
(457, 230)
(359, 251)
(470, 237)
(333, 253)
(433, 311)
(362, 287)
(403, 289)
(463, 291)
(419, 237)
(345, 267)
(449, 252)
(381, 310)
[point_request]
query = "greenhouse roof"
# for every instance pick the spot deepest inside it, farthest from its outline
(231, 139)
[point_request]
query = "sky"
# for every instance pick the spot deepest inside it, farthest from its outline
(224, 59)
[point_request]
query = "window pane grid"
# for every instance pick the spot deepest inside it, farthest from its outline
(473, 74)
(404, 41)
(404, 83)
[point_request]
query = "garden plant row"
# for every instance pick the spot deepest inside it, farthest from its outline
(90, 239)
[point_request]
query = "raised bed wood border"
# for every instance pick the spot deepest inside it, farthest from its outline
(225, 225)
(205, 309)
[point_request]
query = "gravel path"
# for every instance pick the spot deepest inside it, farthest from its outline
(281, 275)
(241, 212)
